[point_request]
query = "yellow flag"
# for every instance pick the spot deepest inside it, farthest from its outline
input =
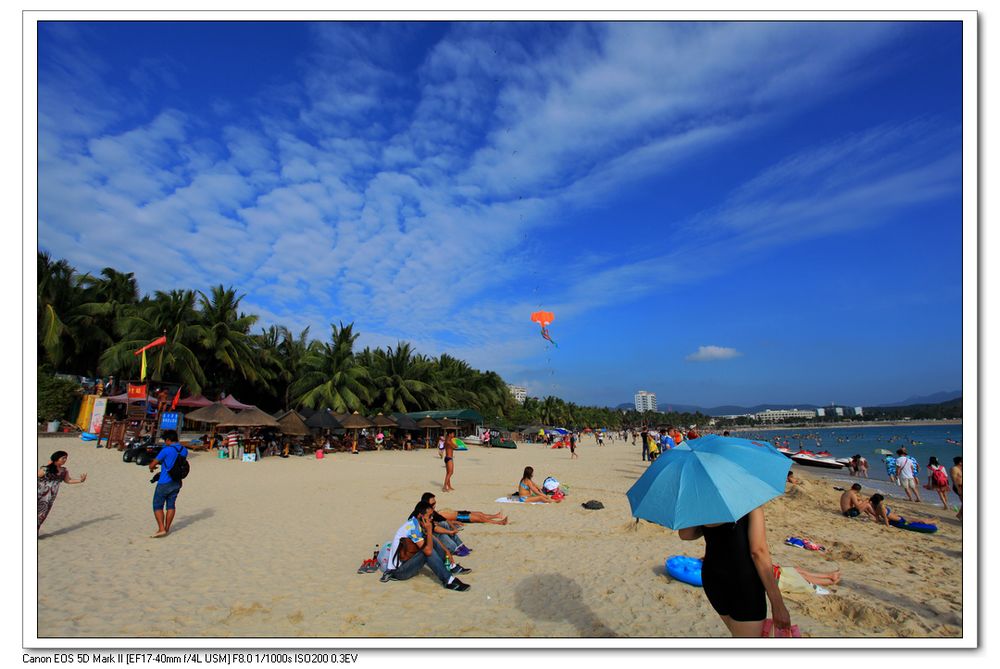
(142, 374)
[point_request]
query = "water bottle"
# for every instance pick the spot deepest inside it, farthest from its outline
(375, 554)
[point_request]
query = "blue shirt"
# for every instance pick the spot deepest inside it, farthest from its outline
(167, 458)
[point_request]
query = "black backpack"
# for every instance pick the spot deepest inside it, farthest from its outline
(181, 466)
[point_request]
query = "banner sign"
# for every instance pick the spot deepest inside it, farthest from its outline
(171, 420)
(97, 415)
(137, 391)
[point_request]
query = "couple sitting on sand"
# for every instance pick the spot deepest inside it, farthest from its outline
(852, 506)
(431, 538)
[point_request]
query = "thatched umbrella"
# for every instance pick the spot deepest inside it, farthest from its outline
(355, 422)
(292, 424)
(305, 412)
(323, 420)
(252, 417)
(214, 413)
(383, 421)
(428, 422)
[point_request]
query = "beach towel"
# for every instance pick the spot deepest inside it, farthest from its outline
(508, 500)
(793, 583)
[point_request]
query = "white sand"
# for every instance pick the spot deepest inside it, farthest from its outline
(272, 549)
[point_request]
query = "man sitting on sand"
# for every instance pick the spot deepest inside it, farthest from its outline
(414, 546)
(851, 504)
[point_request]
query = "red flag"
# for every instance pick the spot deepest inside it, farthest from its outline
(177, 397)
(159, 341)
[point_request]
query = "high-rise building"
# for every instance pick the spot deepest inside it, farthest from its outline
(645, 401)
(520, 393)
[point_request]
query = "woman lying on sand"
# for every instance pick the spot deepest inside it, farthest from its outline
(884, 514)
(527, 491)
(458, 518)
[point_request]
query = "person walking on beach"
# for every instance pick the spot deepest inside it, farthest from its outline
(165, 494)
(441, 446)
(937, 480)
(414, 546)
(449, 460)
(956, 481)
(50, 477)
(572, 446)
(905, 473)
(644, 436)
(738, 576)
(862, 466)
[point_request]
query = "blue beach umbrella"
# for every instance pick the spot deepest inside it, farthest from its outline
(715, 480)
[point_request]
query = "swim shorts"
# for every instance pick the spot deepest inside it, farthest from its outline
(166, 495)
(448, 458)
(740, 599)
(462, 516)
(852, 513)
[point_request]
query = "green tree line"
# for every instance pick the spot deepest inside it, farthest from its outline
(91, 325)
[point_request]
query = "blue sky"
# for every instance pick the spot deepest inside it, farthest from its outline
(718, 212)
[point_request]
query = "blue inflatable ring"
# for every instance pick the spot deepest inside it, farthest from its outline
(684, 569)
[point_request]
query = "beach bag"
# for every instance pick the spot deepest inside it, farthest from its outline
(383, 557)
(181, 467)
(550, 484)
(939, 477)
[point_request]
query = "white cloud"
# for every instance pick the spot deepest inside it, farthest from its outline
(362, 194)
(710, 353)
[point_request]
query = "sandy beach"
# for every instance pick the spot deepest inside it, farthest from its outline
(271, 549)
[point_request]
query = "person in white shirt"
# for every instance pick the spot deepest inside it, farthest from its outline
(905, 473)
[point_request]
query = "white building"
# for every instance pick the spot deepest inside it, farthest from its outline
(645, 401)
(858, 411)
(770, 415)
(520, 393)
(821, 413)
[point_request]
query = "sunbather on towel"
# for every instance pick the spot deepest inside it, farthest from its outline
(527, 491)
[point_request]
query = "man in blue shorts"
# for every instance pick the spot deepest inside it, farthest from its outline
(165, 495)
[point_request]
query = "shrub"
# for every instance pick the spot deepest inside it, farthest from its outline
(55, 396)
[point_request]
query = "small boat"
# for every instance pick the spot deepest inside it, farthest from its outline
(787, 452)
(812, 461)
(824, 454)
(472, 440)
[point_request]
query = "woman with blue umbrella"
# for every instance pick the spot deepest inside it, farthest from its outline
(716, 489)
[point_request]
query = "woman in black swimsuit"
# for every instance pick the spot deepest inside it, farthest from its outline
(737, 574)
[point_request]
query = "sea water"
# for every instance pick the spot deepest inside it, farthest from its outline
(920, 441)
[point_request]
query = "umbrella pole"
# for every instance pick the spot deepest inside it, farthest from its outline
(354, 447)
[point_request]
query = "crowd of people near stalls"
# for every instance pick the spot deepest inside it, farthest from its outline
(258, 443)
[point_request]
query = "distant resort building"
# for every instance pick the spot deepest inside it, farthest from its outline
(772, 415)
(520, 393)
(645, 401)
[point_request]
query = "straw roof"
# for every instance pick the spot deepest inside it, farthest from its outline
(427, 421)
(214, 413)
(323, 419)
(384, 421)
(292, 424)
(234, 403)
(447, 423)
(252, 417)
(405, 422)
(356, 420)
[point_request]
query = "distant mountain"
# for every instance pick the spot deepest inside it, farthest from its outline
(936, 398)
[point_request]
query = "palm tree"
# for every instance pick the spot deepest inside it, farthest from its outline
(224, 337)
(332, 377)
(61, 322)
(402, 381)
(173, 314)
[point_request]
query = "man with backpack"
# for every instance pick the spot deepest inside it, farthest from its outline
(174, 467)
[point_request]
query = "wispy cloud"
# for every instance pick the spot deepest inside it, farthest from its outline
(712, 353)
(401, 193)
